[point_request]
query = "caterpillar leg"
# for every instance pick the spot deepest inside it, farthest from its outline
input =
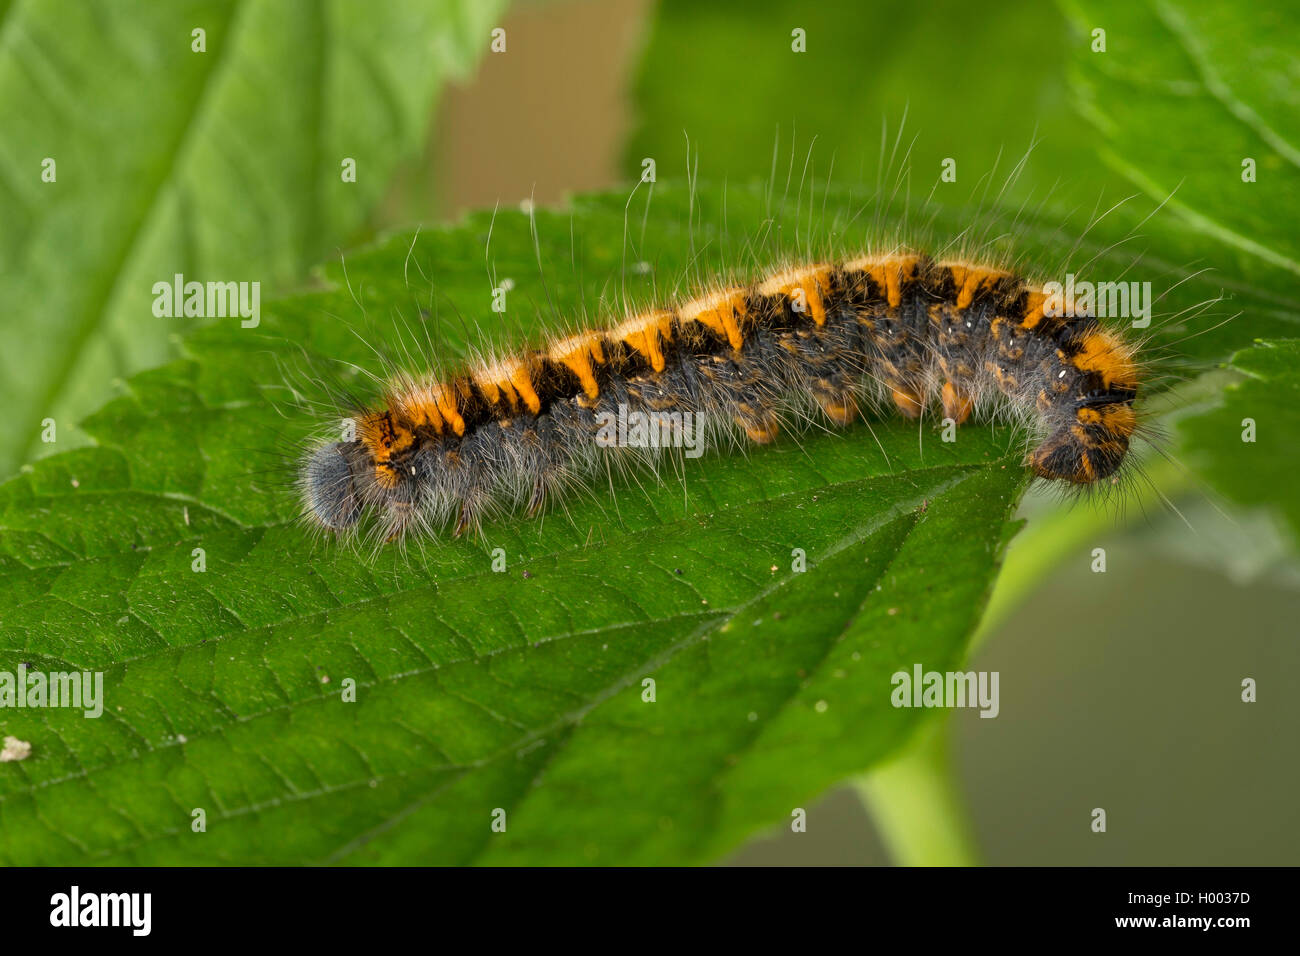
(536, 499)
(467, 519)
(760, 424)
(737, 386)
(399, 514)
(957, 403)
(839, 405)
(908, 400)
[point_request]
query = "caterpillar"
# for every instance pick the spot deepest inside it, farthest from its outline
(830, 340)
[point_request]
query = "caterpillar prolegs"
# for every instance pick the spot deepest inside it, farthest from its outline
(815, 340)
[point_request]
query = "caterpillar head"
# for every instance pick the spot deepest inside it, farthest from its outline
(1091, 448)
(1092, 443)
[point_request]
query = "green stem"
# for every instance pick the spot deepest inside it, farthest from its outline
(913, 798)
(915, 804)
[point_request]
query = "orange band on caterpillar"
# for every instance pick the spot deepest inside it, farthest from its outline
(901, 330)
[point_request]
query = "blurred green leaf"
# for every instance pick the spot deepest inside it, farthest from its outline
(1222, 87)
(220, 165)
(1259, 472)
(1183, 96)
(1196, 103)
(976, 84)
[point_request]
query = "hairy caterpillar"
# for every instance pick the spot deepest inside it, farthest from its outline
(825, 340)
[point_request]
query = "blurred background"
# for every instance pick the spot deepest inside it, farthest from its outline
(1119, 689)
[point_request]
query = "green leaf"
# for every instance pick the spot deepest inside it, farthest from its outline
(221, 165)
(1183, 96)
(1196, 103)
(1260, 471)
(1220, 81)
(865, 65)
(476, 690)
